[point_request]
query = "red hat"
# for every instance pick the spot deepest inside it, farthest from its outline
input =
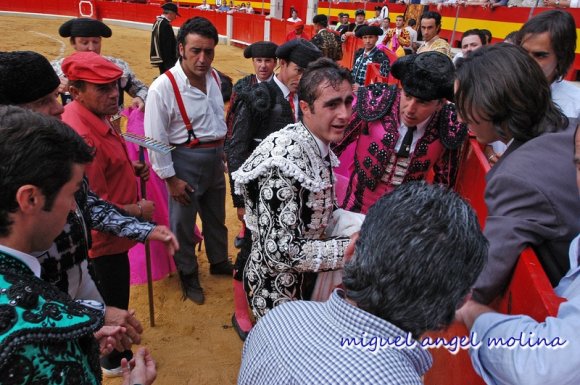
(298, 24)
(90, 67)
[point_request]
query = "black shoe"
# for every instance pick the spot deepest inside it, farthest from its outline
(191, 288)
(239, 242)
(242, 334)
(222, 268)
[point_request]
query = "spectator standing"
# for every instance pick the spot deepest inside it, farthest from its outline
(327, 41)
(163, 44)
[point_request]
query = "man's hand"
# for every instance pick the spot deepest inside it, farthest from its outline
(126, 318)
(109, 338)
(241, 212)
(138, 103)
(163, 234)
(148, 208)
(141, 170)
(468, 313)
(143, 369)
(179, 190)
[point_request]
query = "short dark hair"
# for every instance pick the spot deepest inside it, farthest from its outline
(411, 22)
(37, 150)
(503, 84)
(475, 32)
(487, 34)
(562, 28)
(199, 26)
(419, 251)
(320, 71)
(432, 15)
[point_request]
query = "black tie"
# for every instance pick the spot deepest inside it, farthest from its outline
(405, 148)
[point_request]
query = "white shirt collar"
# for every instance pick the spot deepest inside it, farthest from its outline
(323, 147)
(282, 86)
(264, 81)
(27, 259)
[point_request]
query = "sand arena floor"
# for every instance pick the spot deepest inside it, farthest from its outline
(192, 344)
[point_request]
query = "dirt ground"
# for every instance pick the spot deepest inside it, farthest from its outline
(192, 344)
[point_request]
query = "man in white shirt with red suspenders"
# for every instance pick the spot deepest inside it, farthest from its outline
(185, 109)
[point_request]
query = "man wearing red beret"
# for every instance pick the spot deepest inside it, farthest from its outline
(93, 86)
(298, 32)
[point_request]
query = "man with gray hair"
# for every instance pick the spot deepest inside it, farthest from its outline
(419, 251)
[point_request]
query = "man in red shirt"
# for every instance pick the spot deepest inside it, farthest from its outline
(298, 32)
(93, 85)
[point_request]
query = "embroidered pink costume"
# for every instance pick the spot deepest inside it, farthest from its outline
(377, 169)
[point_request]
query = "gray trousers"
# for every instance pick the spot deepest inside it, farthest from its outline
(203, 170)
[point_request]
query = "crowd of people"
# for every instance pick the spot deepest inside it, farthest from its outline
(343, 239)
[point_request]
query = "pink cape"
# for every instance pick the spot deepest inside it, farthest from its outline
(162, 263)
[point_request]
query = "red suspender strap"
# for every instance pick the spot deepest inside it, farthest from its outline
(190, 142)
(182, 110)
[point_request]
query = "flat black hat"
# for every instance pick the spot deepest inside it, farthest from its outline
(25, 76)
(261, 49)
(428, 75)
(299, 51)
(368, 30)
(360, 12)
(172, 7)
(320, 19)
(84, 27)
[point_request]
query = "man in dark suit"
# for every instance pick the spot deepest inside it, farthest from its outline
(531, 196)
(163, 44)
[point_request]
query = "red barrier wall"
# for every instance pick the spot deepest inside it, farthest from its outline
(248, 28)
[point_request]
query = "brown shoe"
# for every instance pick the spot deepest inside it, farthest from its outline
(222, 268)
(191, 288)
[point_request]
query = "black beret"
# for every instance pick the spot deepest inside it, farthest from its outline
(318, 19)
(25, 76)
(428, 75)
(299, 51)
(171, 7)
(360, 12)
(368, 30)
(261, 49)
(84, 27)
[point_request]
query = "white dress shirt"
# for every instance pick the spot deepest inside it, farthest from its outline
(163, 121)
(419, 132)
(567, 96)
(27, 259)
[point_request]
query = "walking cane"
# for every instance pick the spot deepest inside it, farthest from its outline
(153, 145)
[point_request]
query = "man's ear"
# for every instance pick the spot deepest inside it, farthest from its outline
(74, 92)
(304, 107)
(181, 50)
(29, 198)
